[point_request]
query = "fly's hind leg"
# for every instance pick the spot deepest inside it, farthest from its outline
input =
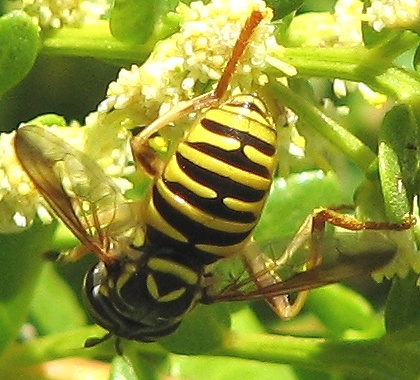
(263, 270)
(312, 231)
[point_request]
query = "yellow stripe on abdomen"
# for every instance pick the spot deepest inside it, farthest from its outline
(213, 188)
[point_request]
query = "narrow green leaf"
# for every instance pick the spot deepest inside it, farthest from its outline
(416, 59)
(20, 257)
(397, 160)
(19, 43)
(376, 359)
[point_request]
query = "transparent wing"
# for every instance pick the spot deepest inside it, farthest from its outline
(75, 187)
(355, 254)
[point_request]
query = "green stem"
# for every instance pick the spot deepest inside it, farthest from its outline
(93, 41)
(395, 44)
(360, 65)
(64, 345)
(312, 116)
(373, 359)
(379, 359)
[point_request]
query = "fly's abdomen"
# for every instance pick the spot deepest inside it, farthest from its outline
(213, 188)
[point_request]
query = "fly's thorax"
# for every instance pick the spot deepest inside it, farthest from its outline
(144, 299)
(214, 186)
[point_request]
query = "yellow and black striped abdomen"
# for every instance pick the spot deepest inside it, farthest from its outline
(214, 186)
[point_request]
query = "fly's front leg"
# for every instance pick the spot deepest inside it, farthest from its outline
(144, 155)
(69, 256)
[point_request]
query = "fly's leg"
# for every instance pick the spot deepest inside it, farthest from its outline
(143, 154)
(70, 256)
(263, 269)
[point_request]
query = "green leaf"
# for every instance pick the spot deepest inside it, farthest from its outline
(19, 43)
(55, 307)
(48, 119)
(369, 199)
(122, 370)
(375, 359)
(373, 38)
(203, 330)
(397, 160)
(20, 257)
(284, 7)
(416, 59)
(244, 319)
(136, 22)
(341, 309)
(291, 201)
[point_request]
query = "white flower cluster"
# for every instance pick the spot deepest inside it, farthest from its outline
(191, 61)
(394, 14)
(348, 29)
(344, 26)
(348, 26)
(53, 14)
(20, 202)
(178, 69)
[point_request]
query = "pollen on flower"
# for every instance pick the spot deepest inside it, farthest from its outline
(53, 14)
(192, 61)
(393, 14)
(18, 198)
(348, 22)
(374, 98)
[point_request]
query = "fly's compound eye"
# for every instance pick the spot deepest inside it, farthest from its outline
(142, 303)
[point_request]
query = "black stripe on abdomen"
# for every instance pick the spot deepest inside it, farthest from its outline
(234, 158)
(224, 186)
(245, 138)
(195, 232)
